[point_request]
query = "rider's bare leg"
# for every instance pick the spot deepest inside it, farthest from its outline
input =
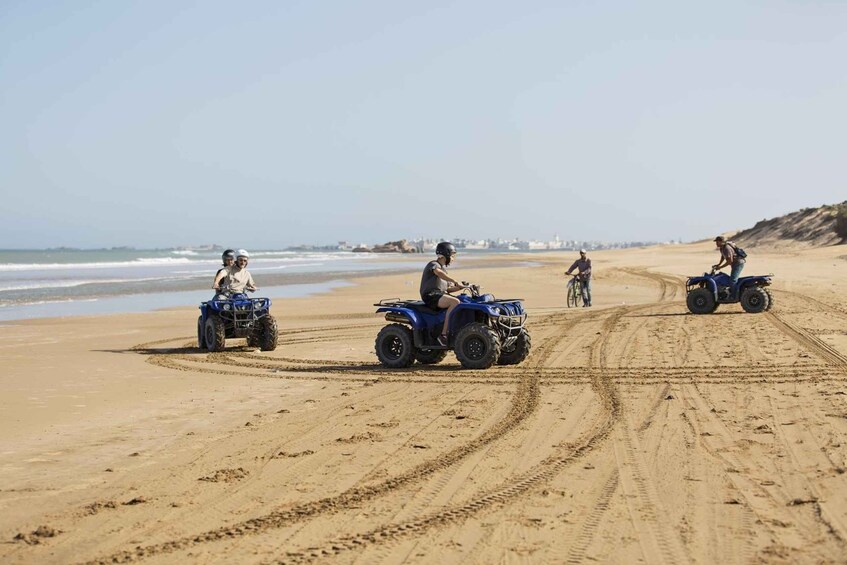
(449, 302)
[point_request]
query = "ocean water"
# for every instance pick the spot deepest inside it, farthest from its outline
(70, 282)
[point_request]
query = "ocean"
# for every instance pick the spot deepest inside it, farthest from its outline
(72, 282)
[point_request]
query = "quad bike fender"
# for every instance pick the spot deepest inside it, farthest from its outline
(754, 281)
(707, 282)
(414, 319)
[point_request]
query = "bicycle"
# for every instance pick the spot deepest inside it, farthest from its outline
(574, 291)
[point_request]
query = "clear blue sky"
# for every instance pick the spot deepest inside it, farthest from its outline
(274, 123)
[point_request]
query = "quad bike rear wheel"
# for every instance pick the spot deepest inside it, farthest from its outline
(214, 333)
(754, 300)
(201, 343)
(477, 346)
(516, 352)
(701, 301)
(430, 356)
(394, 346)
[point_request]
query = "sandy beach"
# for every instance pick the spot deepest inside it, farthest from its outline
(634, 432)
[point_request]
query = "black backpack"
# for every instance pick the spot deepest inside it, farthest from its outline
(738, 251)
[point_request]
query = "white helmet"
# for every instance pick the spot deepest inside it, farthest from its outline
(581, 251)
(242, 253)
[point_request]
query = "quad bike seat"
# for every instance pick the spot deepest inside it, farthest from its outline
(420, 306)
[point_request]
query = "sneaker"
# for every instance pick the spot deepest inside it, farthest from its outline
(442, 340)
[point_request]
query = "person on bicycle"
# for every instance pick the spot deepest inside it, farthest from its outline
(236, 277)
(436, 285)
(729, 257)
(583, 264)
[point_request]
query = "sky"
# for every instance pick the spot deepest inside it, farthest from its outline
(160, 123)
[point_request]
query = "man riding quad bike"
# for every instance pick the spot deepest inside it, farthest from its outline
(482, 331)
(706, 292)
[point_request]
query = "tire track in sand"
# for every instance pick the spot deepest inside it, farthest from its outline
(524, 403)
(500, 495)
(811, 342)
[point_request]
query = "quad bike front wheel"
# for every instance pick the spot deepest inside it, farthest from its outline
(214, 333)
(516, 352)
(477, 346)
(430, 356)
(770, 299)
(701, 301)
(394, 346)
(754, 300)
(268, 335)
(201, 343)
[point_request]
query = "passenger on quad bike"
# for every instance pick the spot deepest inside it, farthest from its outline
(227, 258)
(583, 264)
(436, 285)
(729, 257)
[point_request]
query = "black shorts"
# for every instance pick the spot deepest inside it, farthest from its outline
(432, 297)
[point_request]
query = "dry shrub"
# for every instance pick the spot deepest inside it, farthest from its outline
(841, 221)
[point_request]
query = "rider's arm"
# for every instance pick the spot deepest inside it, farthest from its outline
(454, 284)
(250, 284)
(726, 260)
(218, 278)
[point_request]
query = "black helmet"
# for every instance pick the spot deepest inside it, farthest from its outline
(228, 253)
(445, 248)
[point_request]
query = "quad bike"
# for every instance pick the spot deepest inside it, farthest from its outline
(236, 316)
(483, 331)
(705, 293)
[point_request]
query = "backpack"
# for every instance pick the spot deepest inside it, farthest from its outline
(738, 251)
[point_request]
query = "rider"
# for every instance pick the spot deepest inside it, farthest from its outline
(228, 258)
(584, 266)
(436, 284)
(237, 276)
(729, 257)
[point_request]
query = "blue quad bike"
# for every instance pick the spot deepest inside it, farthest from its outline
(237, 316)
(483, 331)
(705, 293)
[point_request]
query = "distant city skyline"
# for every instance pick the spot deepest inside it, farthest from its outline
(155, 124)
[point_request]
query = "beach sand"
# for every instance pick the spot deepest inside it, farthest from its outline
(634, 432)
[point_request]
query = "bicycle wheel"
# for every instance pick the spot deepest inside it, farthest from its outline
(574, 294)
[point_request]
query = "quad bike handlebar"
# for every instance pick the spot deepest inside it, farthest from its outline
(473, 288)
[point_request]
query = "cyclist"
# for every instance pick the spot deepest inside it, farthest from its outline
(436, 285)
(583, 264)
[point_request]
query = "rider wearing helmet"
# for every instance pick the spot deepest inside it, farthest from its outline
(436, 284)
(239, 277)
(220, 282)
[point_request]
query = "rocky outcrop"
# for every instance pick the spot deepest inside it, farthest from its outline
(401, 246)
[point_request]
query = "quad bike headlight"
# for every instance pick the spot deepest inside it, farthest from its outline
(227, 307)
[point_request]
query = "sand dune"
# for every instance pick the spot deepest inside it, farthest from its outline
(633, 432)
